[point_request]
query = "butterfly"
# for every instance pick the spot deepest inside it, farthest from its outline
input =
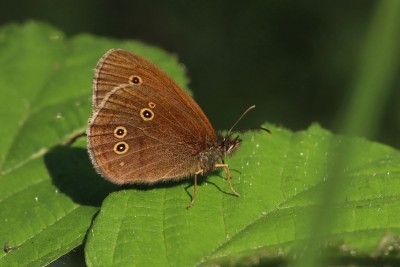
(145, 129)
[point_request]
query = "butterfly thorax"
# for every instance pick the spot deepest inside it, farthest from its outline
(215, 153)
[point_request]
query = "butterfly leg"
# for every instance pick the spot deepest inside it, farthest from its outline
(194, 188)
(228, 174)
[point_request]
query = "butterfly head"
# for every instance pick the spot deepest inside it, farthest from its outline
(229, 145)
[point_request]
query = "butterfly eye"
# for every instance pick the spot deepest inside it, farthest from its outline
(120, 131)
(152, 105)
(146, 114)
(121, 148)
(134, 79)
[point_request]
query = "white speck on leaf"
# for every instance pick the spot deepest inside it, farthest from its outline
(59, 116)
(54, 37)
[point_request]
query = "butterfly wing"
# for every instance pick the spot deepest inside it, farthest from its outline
(143, 130)
(112, 70)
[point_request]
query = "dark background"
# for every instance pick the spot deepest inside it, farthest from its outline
(295, 60)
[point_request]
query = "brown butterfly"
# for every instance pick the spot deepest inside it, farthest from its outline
(146, 129)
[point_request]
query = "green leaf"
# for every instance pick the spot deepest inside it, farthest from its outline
(281, 180)
(49, 192)
(51, 199)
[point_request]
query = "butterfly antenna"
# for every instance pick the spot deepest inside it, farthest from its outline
(244, 113)
(251, 129)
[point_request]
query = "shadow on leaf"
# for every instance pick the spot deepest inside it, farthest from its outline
(72, 173)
